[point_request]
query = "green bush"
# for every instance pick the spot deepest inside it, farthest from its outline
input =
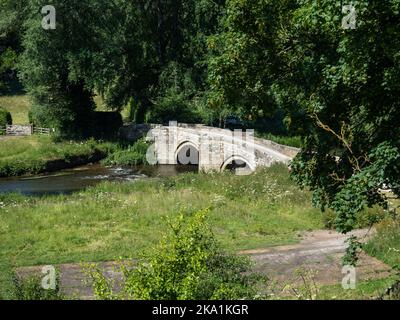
(187, 265)
(5, 118)
(131, 156)
(40, 117)
(173, 107)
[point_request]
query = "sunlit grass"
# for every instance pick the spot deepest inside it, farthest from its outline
(365, 290)
(293, 141)
(385, 245)
(18, 106)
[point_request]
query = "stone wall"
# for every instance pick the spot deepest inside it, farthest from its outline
(19, 130)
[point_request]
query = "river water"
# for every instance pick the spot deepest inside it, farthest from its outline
(68, 181)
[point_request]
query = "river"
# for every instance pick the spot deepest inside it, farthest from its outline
(68, 181)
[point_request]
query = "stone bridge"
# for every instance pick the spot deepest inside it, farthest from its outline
(208, 147)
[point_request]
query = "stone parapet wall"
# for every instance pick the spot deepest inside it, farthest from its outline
(215, 146)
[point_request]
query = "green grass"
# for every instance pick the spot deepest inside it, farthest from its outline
(385, 245)
(365, 290)
(29, 155)
(292, 141)
(115, 220)
(18, 106)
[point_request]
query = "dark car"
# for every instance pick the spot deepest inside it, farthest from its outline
(233, 122)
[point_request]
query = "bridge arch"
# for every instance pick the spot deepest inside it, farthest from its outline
(187, 153)
(238, 162)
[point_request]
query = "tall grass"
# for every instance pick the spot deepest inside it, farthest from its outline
(385, 245)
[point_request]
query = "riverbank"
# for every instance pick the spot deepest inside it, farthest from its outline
(38, 154)
(120, 220)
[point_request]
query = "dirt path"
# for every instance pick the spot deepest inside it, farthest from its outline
(319, 253)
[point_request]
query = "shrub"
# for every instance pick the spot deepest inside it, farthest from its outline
(187, 264)
(40, 117)
(5, 118)
(173, 107)
(131, 156)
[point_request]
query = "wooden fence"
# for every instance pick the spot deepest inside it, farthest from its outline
(38, 130)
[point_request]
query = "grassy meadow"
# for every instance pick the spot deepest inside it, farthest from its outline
(115, 220)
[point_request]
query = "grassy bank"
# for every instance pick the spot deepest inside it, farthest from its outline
(121, 219)
(128, 155)
(35, 154)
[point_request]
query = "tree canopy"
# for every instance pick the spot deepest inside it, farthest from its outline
(338, 86)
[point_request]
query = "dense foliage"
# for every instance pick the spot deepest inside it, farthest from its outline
(30, 288)
(131, 155)
(339, 89)
(12, 14)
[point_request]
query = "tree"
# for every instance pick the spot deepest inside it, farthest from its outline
(245, 62)
(160, 35)
(339, 88)
(61, 68)
(349, 80)
(12, 15)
